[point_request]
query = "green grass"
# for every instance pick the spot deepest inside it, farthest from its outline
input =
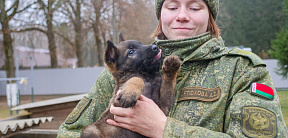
(283, 95)
(5, 112)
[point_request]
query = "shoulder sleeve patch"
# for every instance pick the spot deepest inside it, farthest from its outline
(262, 90)
(253, 57)
(258, 122)
(78, 110)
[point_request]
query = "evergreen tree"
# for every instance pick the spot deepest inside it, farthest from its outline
(280, 48)
(252, 23)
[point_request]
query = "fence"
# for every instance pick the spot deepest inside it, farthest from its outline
(80, 80)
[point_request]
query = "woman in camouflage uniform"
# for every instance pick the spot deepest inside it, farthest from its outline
(219, 93)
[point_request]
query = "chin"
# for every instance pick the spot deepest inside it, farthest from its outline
(179, 37)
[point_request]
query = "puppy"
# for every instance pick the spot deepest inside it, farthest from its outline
(135, 68)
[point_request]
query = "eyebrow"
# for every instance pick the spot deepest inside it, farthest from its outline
(178, 0)
(187, 1)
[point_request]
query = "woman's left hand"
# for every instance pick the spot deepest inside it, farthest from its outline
(145, 118)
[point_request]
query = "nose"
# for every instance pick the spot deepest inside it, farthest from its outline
(154, 48)
(183, 15)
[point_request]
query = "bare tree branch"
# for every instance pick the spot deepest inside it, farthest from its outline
(70, 14)
(28, 6)
(57, 5)
(13, 6)
(65, 38)
(16, 8)
(72, 7)
(29, 29)
(43, 6)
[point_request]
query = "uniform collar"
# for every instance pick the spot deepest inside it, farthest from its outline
(202, 47)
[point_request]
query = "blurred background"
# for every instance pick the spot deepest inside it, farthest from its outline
(72, 33)
(54, 48)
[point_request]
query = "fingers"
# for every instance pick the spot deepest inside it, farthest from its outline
(123, 120)
(142, 98)
(114, 123)
(145, 118)
(119, 111)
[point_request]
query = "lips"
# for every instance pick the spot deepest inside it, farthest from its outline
(183, 28)
(158, 56)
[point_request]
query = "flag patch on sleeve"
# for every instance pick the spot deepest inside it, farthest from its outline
(262, 90)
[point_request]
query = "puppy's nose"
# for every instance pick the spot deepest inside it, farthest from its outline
(154, 48)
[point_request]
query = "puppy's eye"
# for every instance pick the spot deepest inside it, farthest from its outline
(131, 52)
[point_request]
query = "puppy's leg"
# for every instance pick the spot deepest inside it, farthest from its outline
(169, 70)
(129, 92)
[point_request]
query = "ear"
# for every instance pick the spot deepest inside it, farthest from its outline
(121, 38)
(110, 53)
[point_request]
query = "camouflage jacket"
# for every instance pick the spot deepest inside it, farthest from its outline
(219, 93)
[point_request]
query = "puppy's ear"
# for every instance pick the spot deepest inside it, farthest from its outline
(121, 38)
(110, 53)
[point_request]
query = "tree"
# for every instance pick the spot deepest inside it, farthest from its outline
(141, 21)
(252, 23)
(5, 17)
(82, 26)
(101, 19)
(72, 9)
(280, 48)
(96, 25)
(48, 9)
(48, 12)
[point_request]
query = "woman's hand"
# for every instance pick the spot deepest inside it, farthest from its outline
(145, 118)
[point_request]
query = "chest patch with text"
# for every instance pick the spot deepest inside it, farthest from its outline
(200, 94)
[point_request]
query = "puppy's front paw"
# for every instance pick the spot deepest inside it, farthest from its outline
(125, 99)
(171, 64)
(129, 92)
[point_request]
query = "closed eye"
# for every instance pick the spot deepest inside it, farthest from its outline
(172, 9)
(195, 8)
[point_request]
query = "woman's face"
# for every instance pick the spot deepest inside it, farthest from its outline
(184, 18)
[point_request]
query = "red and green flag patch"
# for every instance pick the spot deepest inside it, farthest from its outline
(262, 90)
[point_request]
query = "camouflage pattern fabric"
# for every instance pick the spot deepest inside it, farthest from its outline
(213, 94)
(212, 4)
(236, 113)
(100, 95)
